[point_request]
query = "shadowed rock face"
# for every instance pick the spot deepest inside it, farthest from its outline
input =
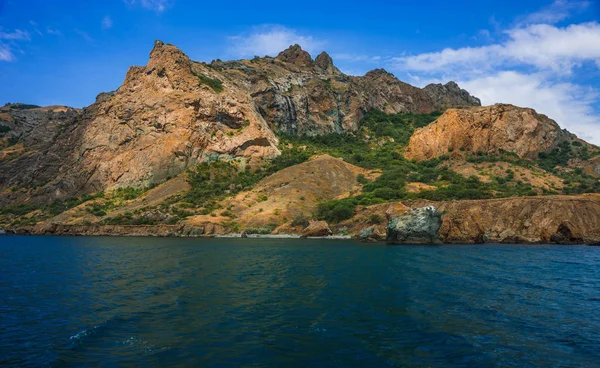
(297, 95)
(28, 156)
(489, 130)
(416, 226)
(174, 112)
(450, 94)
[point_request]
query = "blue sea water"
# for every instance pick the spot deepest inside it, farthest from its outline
(125, 302)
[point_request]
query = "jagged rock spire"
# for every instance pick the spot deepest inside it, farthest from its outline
(295, 55)
(324, 63)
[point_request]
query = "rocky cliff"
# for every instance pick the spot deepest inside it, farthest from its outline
(299, 95)
(488, 130)
(553, 219)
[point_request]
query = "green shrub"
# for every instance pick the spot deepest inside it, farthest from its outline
(260, 230)
(337, 210)
(375, 219)
(301, 220)
(215, 84)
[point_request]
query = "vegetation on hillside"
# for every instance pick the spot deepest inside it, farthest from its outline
(213, 83)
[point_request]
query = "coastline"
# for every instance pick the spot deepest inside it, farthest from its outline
(181, 231)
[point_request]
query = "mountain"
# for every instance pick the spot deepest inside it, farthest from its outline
(173, 113)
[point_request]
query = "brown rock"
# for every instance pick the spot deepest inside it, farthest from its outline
(295, 55)
(317, 228)
(324, 63)
(488, 130)
(395, 209)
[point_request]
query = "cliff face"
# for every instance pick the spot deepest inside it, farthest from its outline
(165, 117)
(489, 130)
(299, 95)
(28, 156)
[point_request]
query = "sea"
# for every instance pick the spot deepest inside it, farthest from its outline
(173, 302)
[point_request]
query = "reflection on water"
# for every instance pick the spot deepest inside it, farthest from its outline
(252, 302)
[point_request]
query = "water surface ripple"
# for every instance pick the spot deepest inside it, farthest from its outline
(119, 302)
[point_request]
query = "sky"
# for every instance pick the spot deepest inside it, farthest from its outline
(543, 54)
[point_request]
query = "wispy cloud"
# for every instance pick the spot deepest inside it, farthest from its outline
(17, 35)
(5, 53)
(270, 40)
(9, 41)
(84, 35)
(356, 58)
(558, 11)
(158, 6)
(107, 22)
(53, 31)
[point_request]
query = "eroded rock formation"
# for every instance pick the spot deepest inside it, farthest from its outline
(487, 130)
(416, 226)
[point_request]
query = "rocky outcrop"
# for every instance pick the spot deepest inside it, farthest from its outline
(450, 94)
(487, 130)
(324, 64)
(550, 219)
(370, 234)
(316, 229)
(416, 226)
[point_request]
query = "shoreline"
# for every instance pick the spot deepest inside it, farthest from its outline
(143, 231)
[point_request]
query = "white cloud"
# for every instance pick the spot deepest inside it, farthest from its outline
(11, 40)
(541, 45)
(355, 58)
(54, 32)
(270, 40)
(158, 6)
(107, 22)
(569, 104)
(17, 35)
(84, 35)
(5, 53)
(559, 10)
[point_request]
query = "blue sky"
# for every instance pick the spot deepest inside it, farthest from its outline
(540, 54)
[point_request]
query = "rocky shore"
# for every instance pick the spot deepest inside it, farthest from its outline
(523, 220)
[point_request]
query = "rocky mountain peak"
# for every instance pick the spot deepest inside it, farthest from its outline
(324, 63)
(450, 94)
(379, 72)
(295, 55)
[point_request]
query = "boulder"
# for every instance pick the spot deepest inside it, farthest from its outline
(416, 226)
(316, 228)
(371, 234)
